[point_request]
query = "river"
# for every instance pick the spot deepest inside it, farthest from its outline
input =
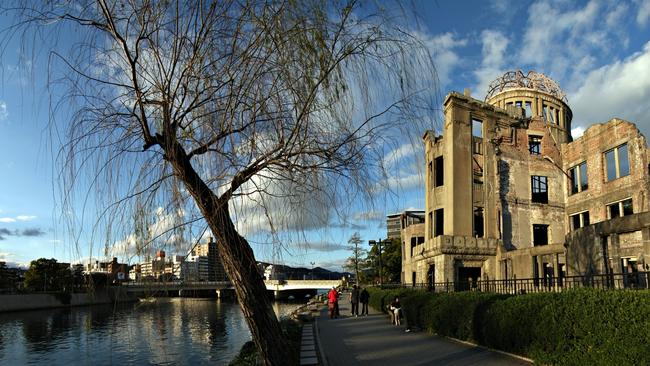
(177, 331)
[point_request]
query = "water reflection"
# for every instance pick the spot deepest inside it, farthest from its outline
(171, 331)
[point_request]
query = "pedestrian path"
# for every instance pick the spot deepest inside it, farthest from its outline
(372, 340)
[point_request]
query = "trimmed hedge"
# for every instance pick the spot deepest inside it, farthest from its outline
(579, 327)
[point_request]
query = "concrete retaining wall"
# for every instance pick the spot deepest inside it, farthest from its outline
(48, 301)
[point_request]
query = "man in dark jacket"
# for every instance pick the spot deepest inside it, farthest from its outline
(364, 297)
(354, 300)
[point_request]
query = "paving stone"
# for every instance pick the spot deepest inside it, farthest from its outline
(309, 361)
(307, 354)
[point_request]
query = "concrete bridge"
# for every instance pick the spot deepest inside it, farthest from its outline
(271, 285)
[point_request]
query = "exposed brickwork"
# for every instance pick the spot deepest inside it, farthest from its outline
(491, 174)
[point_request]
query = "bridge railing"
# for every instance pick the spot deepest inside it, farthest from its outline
(184, 284)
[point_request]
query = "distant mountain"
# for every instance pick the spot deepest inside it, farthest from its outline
(300, 273)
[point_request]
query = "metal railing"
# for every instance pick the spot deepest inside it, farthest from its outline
(632, 281)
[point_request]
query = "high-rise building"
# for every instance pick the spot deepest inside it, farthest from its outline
(210, 250)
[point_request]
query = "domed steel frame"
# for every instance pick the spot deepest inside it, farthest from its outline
(533, 80)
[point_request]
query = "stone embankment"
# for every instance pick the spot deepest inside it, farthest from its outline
(22, 302)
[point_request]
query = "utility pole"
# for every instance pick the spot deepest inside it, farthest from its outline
(378, 242)
(312, 269)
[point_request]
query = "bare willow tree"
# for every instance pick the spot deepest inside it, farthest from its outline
(209, 110)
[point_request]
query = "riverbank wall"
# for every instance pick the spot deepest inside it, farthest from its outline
(21, 302)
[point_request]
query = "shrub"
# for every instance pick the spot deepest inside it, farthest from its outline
(579, 327)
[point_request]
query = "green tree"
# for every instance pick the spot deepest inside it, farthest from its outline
(48, 275)
(6, 277)
(391, 261)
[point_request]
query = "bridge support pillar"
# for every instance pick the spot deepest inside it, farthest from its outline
(276, 293)
(218, 294)
(180, 293)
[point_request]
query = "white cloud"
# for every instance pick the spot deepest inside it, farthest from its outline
(643, 14)
(322, 246)
(404, 182)
(3, 110)
(399, 154)
(368, 215)
(620, 89)
(7, 220)
(494, 45)
(566, 42)
(25, 218)
(577, 131)
(7, 258)
(443, 51)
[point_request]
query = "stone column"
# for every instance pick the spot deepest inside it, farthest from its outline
(615, 254)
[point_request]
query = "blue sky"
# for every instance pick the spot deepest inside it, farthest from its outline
(599, 52)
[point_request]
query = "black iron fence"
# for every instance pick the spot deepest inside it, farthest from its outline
(636, 280)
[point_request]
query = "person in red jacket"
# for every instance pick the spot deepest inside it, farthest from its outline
(333, 302)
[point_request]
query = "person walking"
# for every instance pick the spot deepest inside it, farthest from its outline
(364, 297)
(354, 300)
(333, 302)
(396, 309)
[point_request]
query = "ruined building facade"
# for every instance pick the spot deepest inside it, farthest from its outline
(509, 194)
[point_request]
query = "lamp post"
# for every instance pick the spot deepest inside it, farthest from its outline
(312, 269)
(378, 242)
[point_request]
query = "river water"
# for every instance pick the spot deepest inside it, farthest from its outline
(178, 331)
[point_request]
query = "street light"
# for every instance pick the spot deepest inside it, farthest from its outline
(312, 269)
(378, 242)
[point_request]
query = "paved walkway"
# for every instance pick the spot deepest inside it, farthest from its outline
(372, 340)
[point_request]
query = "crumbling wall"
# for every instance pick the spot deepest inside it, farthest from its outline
(590, 147)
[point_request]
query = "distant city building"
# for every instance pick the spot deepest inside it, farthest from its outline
(200, 269)
(135, 273)
(216, 272)
(155, 268)
(117, 272)
(397, 222)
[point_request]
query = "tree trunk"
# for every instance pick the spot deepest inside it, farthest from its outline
(238, 260)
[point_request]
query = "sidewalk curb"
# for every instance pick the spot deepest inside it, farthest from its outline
(488, 348)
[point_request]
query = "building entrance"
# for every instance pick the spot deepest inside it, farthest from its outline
(468, 277)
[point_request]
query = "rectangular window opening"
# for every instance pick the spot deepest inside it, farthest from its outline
(529, 109)
(439, 171)
(535, 145)
(617, 162)
(439, 222)
(627, 208)
(477, 128)
(540, 234)
(623, 161)
(610, 162)
(539, 188)
(479, 231)
(584, 182)
(579, 220)
(614, 210)
(579, 180)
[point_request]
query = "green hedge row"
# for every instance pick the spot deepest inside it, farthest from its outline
(580, 327)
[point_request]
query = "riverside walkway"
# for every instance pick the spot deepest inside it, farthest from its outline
(372, 340)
